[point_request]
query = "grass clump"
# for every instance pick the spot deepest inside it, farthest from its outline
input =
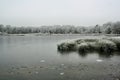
(90, 40)
(117, 42)
(105, 45)
(92, 46)
(83, 47)
(67, 46)
(79, 41)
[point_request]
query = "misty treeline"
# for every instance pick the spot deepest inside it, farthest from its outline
(107, 28)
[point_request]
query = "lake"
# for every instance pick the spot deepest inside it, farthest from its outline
(37, 58)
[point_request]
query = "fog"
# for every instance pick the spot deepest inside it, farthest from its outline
(58, 12)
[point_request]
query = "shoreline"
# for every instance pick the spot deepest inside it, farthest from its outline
(47, 34)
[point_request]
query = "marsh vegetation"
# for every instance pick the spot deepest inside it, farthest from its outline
(106, 45)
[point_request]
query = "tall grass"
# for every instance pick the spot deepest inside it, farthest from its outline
(67, 46)
(83, 47)
(117, 42)
(106, 45)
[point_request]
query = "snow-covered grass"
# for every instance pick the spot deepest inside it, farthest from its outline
(67, 46)
(83, 47)
(105, 45)
(86, 45)
(116, 41)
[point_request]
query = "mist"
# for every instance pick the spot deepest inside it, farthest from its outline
(58, 12)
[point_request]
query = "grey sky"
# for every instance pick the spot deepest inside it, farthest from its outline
(63, 12)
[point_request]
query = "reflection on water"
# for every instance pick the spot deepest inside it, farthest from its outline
(85, 54)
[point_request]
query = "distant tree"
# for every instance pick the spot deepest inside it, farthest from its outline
(108, 30)
(116, 28)
(97, 29)
(1, 28)
(8, 29)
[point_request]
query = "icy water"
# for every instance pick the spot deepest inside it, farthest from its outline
(37, 58)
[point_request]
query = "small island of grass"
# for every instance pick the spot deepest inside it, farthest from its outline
(106, 45)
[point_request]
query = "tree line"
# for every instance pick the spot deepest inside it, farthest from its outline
(107, 28)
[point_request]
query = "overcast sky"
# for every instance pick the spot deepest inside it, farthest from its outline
(62, 12)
